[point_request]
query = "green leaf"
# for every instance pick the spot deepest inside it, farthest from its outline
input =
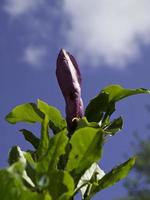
(44, 140)
(16, 155)
(114, 126)
(83, 122)
(32, 113)
(105, 101)
(57, 147)
(30, 137)
(113, 176)
(30, 172)
(96, 107)
(12, 186)
(61, 185)
(25, 113)
(56, 121)
(117, 92)
(93, 174)
(86, 149)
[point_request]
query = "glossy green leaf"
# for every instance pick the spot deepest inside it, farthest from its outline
(61, 185)
(25, 113)
(56, 121)
(105, 101)
(44, 140)
(12, 186)
(30, 137)
(56, 148)
(113, 176)
(86, 148)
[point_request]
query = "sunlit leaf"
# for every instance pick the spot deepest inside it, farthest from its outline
(56, 148)
(44, 140)
(32, 113)
(86, 148)
(117, 92)
(56, 121)
(25, 113)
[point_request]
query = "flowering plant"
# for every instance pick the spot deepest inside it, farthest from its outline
(65, 163)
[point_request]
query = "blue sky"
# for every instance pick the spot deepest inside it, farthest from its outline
(110, 40)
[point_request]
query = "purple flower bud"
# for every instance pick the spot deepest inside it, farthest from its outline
(69, 79)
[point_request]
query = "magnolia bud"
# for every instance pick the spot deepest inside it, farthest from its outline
(69, 79)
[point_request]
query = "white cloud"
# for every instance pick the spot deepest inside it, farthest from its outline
(109, 31)
(100, 31)
(19, 7)
(36, 21)
(35, 55)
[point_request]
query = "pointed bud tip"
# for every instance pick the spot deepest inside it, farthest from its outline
(62, 52)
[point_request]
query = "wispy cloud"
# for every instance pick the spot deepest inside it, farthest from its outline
(35, 55)
(101, 32)
(19, 7)
(36, 18)
(108, 31)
